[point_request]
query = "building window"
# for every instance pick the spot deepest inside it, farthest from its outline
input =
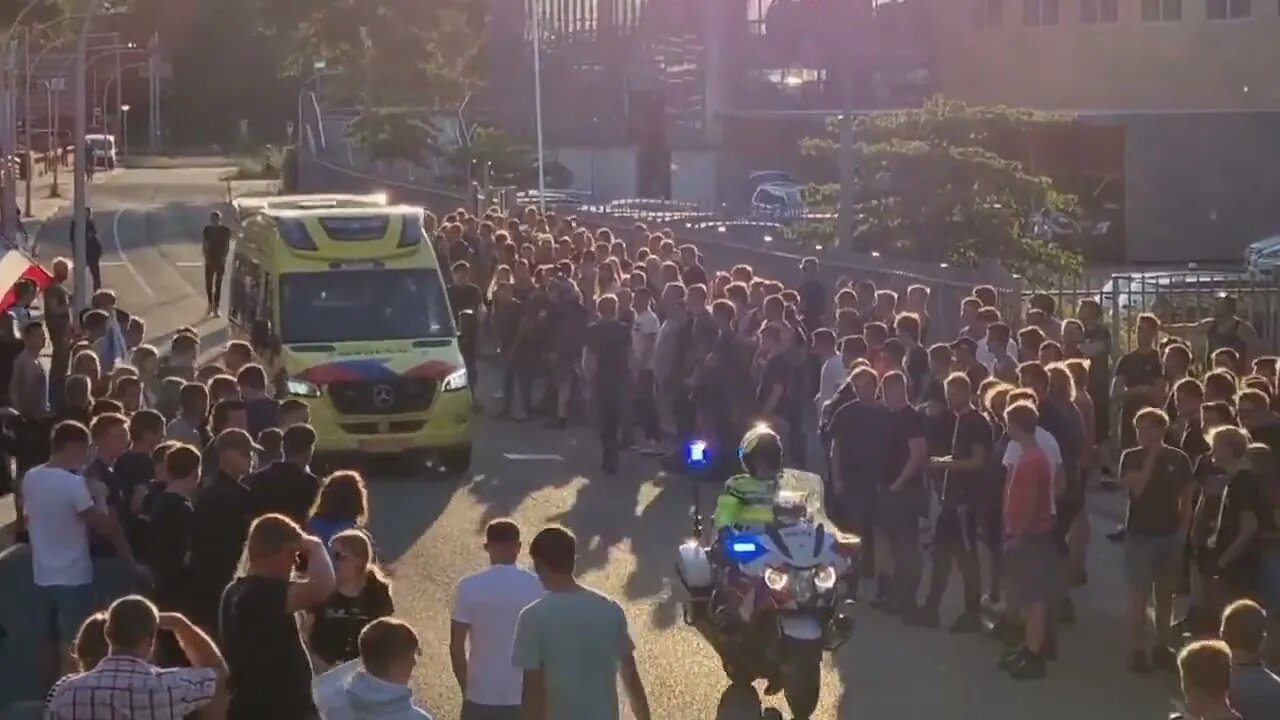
(1228, 9)
(1099, 12)
(1039, 13)
(1161, 10)
(988, 13)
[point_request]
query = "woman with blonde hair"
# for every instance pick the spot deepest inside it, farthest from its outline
(363, 594)
(343, 504)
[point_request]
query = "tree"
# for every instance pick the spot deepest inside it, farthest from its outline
(391, 135)
(935, 184)
(510, 161)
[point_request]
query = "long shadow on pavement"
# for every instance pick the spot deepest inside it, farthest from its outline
(886, 665)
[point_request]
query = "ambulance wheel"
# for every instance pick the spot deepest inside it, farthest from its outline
(456, 460)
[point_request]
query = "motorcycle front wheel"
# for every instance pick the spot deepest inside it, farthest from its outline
(802, 677)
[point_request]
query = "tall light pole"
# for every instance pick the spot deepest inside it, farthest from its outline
(124, 129)
(118, 81)
(537, 102)
(26, 110)
(81, 266)
(8, 123)
(153, 103)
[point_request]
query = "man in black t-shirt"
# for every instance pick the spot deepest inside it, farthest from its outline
(221, 520)
(955, 539)
(134, 470)
(1159, 481)
(859, 434)
(901, 497)
(1139, 381)
(1259, 419)
(608, 353)
(269, 666)
(110, 434)
(287, 486)
(169, 531)
(216, 246)
(775, 394)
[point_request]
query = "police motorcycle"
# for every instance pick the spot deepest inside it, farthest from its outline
(771, 600)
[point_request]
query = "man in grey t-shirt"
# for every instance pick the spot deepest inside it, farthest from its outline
(573, 643)
(1255, 690)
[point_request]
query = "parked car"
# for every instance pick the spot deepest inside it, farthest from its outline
(103, 150)
(1262, 257)
(778, 202)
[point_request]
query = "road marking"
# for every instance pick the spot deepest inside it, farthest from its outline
(532, 456)
(115, 237)
(189, 264)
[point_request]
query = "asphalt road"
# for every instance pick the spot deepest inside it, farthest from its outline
(428, 532)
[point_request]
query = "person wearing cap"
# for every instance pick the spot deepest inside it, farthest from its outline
(220, 523)
(1224, 329)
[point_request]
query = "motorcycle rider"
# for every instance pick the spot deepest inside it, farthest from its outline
(747, 499)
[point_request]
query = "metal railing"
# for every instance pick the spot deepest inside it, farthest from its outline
(1174, 297)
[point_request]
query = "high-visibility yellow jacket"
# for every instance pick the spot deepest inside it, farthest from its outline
(746, 501)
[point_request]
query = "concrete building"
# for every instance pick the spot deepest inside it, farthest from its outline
(1191, 83)
(679, 99)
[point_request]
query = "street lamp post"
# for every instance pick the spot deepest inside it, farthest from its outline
(56, 86)
(124, 129)
(8, 126)
(81, 264)
(537, 102)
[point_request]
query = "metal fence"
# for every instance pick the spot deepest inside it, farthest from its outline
(1172, 297)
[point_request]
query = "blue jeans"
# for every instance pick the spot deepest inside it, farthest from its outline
(61, 609)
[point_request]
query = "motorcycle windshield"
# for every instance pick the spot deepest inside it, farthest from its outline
(799, 499)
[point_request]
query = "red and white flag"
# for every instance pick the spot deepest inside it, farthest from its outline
(16, 265)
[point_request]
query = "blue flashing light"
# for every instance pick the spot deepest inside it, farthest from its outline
(696, 454)
(743, 548)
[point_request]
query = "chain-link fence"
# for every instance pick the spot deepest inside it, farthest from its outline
(1173, 297)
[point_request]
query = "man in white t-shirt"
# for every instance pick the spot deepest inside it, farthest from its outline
(644, 340)
(834, 372)
(60, 513)
(486, 608)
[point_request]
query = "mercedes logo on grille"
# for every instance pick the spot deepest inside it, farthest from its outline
(383, 396)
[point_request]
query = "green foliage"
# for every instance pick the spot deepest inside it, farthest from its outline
(935, 185)
(389, 53)
(510, 161)
(391, 135)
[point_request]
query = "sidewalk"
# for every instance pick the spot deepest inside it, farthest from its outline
(43, 207)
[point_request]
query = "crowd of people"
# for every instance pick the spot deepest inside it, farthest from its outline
(973, 451)
(985, 441)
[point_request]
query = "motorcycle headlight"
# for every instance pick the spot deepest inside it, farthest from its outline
(825, 578)
(302, 388)
(775, 579)
(457, 380)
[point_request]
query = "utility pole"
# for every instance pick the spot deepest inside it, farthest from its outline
(26, 109)
(8, 151)
(115, 40)
(81, 264)
(845, 159)
(154, 86)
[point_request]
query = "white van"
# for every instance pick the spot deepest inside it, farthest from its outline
(102, 149)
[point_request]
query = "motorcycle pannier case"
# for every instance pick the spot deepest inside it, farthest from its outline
(694, 567)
